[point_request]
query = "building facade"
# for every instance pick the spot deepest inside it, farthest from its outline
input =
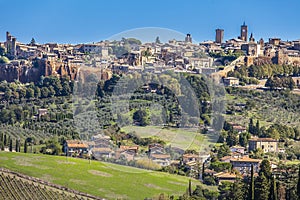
(266, 144)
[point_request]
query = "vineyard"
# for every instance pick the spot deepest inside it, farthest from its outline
(16, 188)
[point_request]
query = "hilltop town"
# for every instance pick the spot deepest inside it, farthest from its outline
(27, 62)
(258, 141)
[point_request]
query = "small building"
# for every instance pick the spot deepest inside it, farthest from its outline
(189, 158)
(225, 159)
(231, 81)
(161, 159)
(42, 111)
(225, 176)
(239, 129)
(75, 148)
(238, 149)
(266, 144)
(244, 164)
(102, 152)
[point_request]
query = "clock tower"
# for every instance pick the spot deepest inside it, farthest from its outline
(244, 32)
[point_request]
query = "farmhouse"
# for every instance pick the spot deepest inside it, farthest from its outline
(266, 144)
(75, 148)
(102, 152)
(244, 164)
(161, 159)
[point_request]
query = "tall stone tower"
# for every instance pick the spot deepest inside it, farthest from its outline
(219, 36)
(244, 32)
(188, 38)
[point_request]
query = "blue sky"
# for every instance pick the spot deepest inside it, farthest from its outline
(73, 21)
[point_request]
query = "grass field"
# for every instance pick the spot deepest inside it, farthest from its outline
(176, 137)
(105, 180)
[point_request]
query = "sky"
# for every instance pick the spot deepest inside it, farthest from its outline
(79, 21)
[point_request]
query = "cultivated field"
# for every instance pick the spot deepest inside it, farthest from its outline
(105, 180)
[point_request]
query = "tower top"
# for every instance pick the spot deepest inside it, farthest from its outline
(244, 24)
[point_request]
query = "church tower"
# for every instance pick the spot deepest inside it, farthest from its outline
(244, 32)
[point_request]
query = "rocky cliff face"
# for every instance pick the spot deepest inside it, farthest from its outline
(27, 73)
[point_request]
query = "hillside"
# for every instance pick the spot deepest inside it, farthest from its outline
(105, 180)
(15, 186)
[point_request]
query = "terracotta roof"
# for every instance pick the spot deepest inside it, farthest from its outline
(76, 144)
(123, 148)
(191, 163)
(209, 171)
(238, 127)
(189, 155)
(244, 159)
(225, 175)
(263, 139)
(160, 156)
(237, 147)
(225, 158)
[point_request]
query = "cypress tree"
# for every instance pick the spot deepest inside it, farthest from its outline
(25, 146)
(17, 146)
(10, 145)
(5, 140)
(2, 146)
(262, 189)
(257, 128)
(273, 190)
(298, 184)
(251, 188)
(251, 126)
(190, 187)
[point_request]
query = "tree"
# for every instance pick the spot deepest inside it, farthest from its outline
(251, 188)
(298, 183)
(265, 168)
(2, 146)
(223, 151)
(10, 145)
(190, 187)
(141, 117)
(17, 146)
(29, 93)
(273, 190)
(232, 138)
(25, 146)
(224, 189)
(243, 139)
(236, 191)
(262, 188)
(251, 126)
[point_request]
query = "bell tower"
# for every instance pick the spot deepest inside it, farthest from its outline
(244, 32)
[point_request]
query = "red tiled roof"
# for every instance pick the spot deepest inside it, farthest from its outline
(160, 156)
(123, 148)
(76, 144)
(189, 155)
(244, 159)
(263, 139)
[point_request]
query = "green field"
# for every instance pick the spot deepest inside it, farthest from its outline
(105, 180)
(176, 137)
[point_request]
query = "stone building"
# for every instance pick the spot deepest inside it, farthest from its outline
(266, 144)
(219, 36)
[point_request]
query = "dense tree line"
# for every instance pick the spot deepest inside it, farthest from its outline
(280, 82)
(265, 71)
